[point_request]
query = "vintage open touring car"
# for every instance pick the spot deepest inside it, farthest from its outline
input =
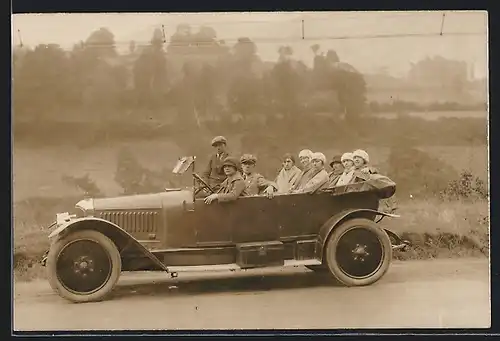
(335, 232)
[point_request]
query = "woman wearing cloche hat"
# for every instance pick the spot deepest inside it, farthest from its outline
(319, 175)
(361, 162)
(233, 187)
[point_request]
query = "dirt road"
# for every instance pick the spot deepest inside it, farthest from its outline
(423, 294)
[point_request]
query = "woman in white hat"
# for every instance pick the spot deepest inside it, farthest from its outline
(347, 176)
(361, 162)
(306, 175)
(318, 175)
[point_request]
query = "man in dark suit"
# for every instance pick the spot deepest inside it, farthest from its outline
(214, 173)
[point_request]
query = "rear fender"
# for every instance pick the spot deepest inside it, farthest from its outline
(328, 227)
(119, 236)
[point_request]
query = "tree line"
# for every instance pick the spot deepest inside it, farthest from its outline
(194, 76)
(191, 78)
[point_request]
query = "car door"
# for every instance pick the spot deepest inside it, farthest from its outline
(254, 219)
(212, 223)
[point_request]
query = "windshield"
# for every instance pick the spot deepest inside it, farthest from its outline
(183, 164)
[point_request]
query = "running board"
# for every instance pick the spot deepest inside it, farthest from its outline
(234, 266)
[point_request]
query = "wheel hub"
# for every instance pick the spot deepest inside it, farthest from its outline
(359, 252)
(83, 265)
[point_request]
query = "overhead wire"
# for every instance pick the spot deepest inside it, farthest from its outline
(264, 40)
(301, 36)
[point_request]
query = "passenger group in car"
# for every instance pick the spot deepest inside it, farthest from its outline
(233, 178)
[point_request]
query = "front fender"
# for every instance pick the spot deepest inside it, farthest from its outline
(337, 219)
(118, 235)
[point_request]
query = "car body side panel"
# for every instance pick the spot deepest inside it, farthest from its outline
(254, 219)
(301, 215)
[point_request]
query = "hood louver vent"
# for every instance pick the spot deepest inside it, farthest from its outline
(133, 221)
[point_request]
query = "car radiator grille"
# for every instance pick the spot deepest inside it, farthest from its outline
(138, 221)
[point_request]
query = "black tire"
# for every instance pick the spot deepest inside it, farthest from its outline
(87, 274)
(358, 252)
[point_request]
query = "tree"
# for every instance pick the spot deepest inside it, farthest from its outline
(245, 52)
(180, 41)
(150, 71)
(351, 92)
(101, 43)
(97, 71)
(205, 36)
(286, 83)
(330, 73)
(332, 57)
(285, 52)
(42, 82)
(315, 48)
(440, 72)
(245, 95)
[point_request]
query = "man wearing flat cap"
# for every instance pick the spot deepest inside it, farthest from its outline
(214, 174)
(255, 182)
(233, 186)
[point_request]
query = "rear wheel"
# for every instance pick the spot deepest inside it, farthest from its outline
(358, 252)
(83, 266)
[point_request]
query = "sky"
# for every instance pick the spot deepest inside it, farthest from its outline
(464, 37)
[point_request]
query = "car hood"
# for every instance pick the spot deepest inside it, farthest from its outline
(143, 201)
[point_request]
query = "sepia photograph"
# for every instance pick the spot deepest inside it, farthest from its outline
(250, 171)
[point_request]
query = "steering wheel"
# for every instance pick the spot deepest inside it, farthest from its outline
(203, 183)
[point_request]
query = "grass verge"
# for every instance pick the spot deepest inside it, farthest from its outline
(442, 229)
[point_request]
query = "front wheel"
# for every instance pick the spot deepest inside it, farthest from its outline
(358, 252)
(83, 266)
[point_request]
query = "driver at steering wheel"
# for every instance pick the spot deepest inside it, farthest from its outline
(233, 187)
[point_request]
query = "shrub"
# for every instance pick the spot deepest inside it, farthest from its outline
(467, 186)
(84, 183)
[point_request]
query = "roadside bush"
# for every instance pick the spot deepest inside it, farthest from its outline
(85, 184)
(467, 186)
